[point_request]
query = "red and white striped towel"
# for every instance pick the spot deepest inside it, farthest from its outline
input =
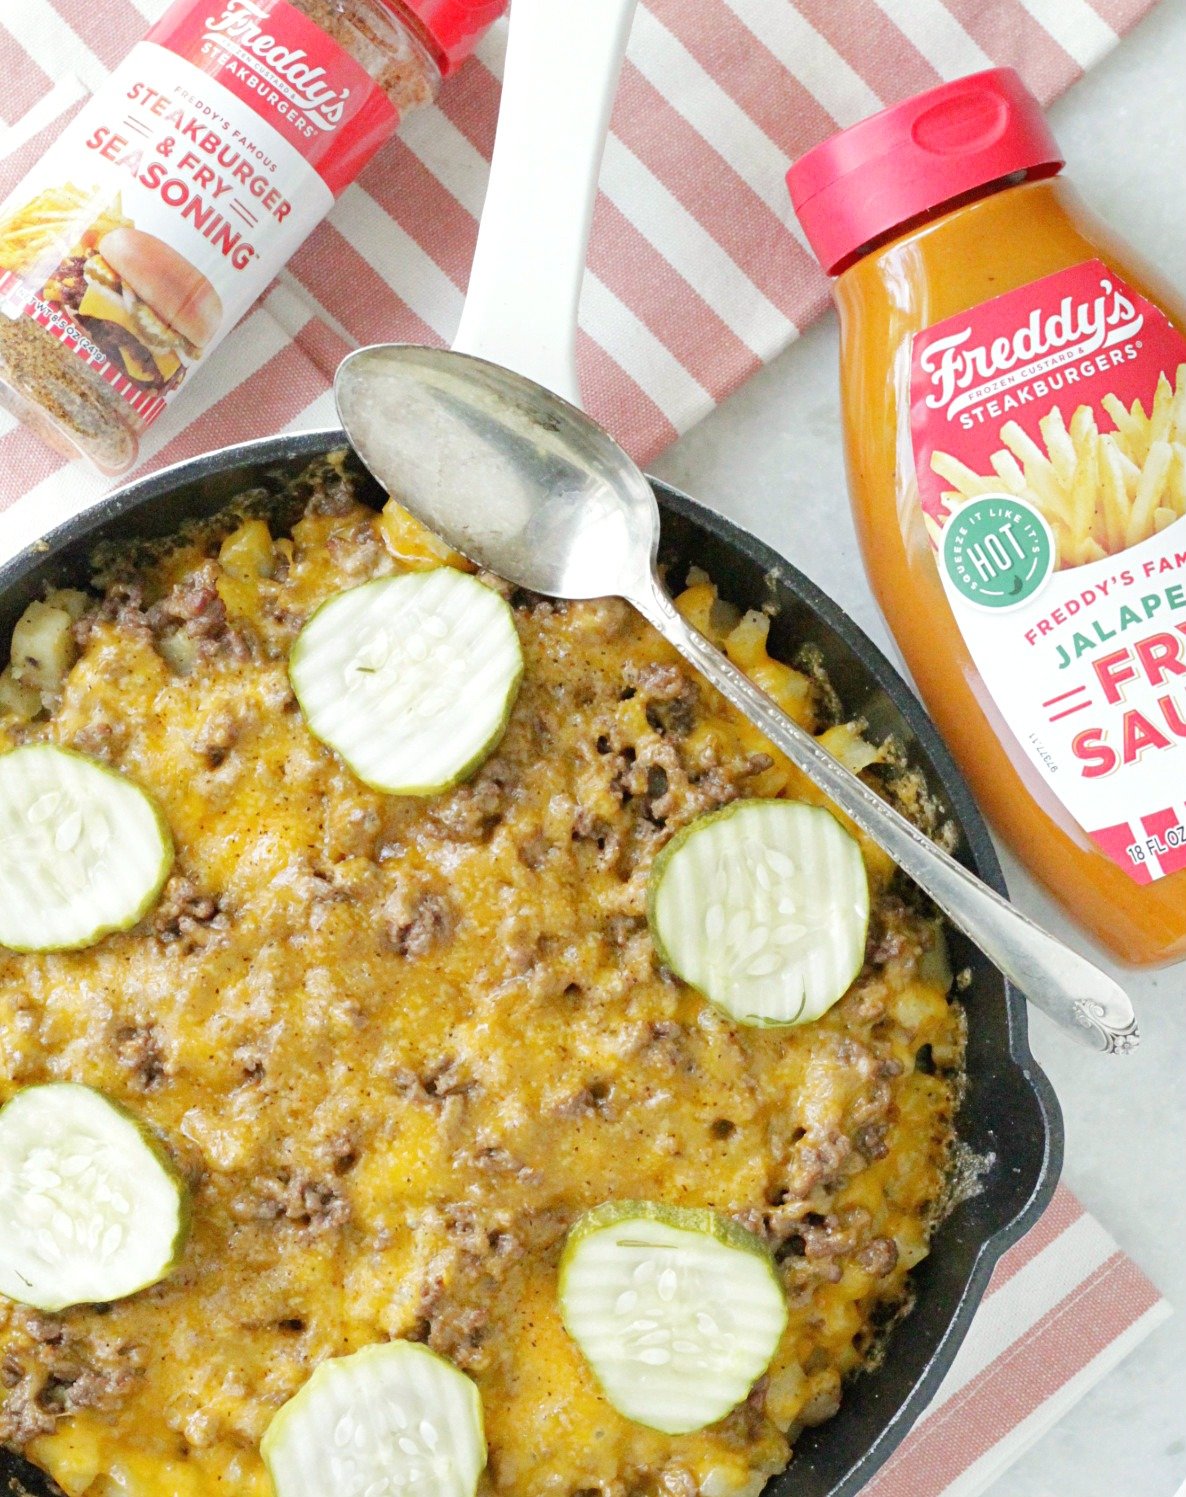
(697, 275)
(697, 270)
(1063, 1308)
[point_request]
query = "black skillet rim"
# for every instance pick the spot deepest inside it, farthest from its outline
(982, 857)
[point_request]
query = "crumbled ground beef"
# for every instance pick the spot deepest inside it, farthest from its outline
(139, 1049)
(481, 1252)
(893, 929)
(587, 827)
(122, 605)
(217, 738)
(444, 1079)
(533, 851)
(358, 551)
(671, 696)
(492, 1158)
(185, 912)
(419, 921)
(60, 1375)
(313, 1205)
(655, 780)
(472, 811)
(193, 607)
(879, 1257)
(594, 1099)
(102, 738)
(871, 1141)
(837, 1235)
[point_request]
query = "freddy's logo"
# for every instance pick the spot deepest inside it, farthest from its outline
(962, 376)
(287, 69)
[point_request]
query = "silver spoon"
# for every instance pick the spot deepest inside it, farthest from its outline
(524, 484)
(517, 479)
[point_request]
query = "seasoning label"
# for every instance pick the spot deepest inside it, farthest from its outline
(1049, 437)
(182, 187)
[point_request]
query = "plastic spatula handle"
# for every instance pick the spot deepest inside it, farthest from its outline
(562, 68)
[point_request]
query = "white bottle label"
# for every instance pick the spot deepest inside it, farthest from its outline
(182, 187)
(1049, 434)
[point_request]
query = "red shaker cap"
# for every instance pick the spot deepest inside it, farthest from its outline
(862, 183)
(452, 28)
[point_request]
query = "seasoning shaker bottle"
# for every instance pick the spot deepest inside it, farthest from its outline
(184, 185)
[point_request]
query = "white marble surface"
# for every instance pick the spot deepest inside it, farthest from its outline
(770, 458)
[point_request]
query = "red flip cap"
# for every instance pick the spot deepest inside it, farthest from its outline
(889, 169)
(452, 28)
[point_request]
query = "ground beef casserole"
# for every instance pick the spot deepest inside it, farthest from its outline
(397, 1046)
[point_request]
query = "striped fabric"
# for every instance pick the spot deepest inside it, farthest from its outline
(697, 271)
(1063, 1308)
(697, 275)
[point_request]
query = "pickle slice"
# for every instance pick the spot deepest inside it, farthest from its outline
(764, 908)
(678, 1311)
(83, 851)
(410, 679)
(388, 1420)
(91, 1209)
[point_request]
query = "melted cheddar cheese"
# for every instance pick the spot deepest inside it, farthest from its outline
(397, 1046)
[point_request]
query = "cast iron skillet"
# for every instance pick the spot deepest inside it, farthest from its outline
(1010, 1118)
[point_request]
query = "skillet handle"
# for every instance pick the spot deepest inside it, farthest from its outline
(562, 68)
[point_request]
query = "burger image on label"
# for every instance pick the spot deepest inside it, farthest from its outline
(144, 305)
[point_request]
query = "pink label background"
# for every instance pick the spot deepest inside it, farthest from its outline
(1161, 349)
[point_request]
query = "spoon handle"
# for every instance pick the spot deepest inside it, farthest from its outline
(562, 68)
(1075, 994)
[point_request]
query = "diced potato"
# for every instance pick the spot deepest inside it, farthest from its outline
(786, 1394)
(247, 553)
(824, 1398)
(791, 689)
(241, 597)
(73, 1455)
(71, 599)
(746, 644)
(919, 1004)
(311, 533)
(935, 967)
(732, 1481)
(180, 651)
(413, 544)
(17, 699)
(844, 742)
(43, 647)
(696, 603)
(911, 1251)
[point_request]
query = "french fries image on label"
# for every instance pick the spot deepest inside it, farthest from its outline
(57, 223)
(1100, 492)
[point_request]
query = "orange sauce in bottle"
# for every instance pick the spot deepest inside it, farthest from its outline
(1058, 677)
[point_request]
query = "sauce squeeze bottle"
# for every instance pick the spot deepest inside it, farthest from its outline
(1014, 393)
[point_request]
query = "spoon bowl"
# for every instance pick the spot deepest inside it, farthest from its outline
(506, 472)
